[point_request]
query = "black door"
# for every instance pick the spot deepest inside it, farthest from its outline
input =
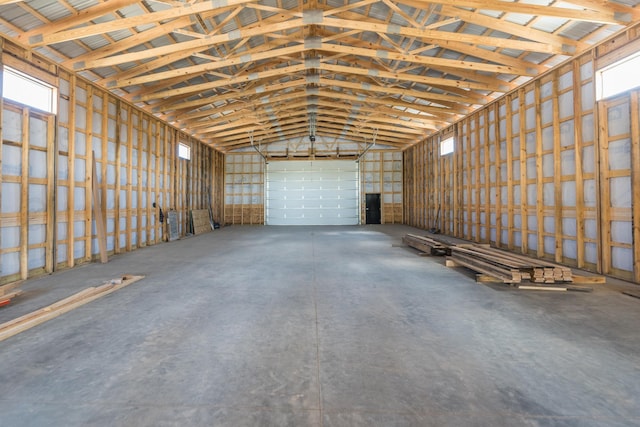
(373, 208)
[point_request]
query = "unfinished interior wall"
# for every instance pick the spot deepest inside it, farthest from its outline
(47, 221)
(545, 170)
(381, 173)
(244, 188)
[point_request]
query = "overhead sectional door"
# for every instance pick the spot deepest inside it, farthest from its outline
(319, 192)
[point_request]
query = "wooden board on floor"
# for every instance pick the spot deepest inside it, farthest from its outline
(29, 320)
(201, 223)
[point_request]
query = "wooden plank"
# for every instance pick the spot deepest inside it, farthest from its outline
(28, 321)
(7, 297)
(588, 279)
(541, 288)
(97, 210)
(200, 220)
(10, 287)
(489, 270)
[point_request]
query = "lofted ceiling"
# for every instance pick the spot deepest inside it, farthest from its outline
(237, 72)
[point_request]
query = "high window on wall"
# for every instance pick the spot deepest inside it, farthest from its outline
(27, 90)
(184, 151)
(618, 77)
(447, 146)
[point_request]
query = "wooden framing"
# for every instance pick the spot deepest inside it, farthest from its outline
(572, 161)
(58, 164)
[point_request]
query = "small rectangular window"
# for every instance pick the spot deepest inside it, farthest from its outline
(446, 146)
(184, 151)
(27, 90)
(618, 77)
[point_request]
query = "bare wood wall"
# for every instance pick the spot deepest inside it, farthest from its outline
(545, 170)
(46, 213)
(380, 172)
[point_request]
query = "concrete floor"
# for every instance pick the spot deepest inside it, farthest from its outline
(316, 326)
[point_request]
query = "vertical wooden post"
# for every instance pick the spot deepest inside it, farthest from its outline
(487, 176)
(97, 209)
(52, 152)
(476, 189)
(539, 172)
(467, 168)
(635, 185)
(498, 183)
(156, 185)
(579, 179)
(130, 211)
(138, 172)
(71, 216)
(604, 205)
(147, 172)
(509, 143)
(88, 212)
(524, 211)
(24, 198)
(116, 204)
(557, 171)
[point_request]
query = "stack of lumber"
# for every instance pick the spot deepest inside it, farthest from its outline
(426, 244)
(28, 321)
(200, 221)
(8, 292)
(509, 267)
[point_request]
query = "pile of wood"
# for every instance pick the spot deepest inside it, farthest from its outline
(509, 267)
(426, 244)
(8, 292)
(22, 323)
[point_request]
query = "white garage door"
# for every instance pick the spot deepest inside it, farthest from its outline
(319, 192)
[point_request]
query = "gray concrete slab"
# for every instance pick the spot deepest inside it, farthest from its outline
(311, 326)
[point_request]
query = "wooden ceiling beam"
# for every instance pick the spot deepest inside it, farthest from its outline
(427, 60)
(195, 88)
(365, 87)
(55, 35)
(81, 17)
(567, 46)
(605, 7)
(553, 11)
(431, 81)
(192, 45)
(436, 36)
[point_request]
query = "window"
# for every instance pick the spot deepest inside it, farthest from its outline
(28, 90)
(184, 151)
(618, 77)
(446, 146)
